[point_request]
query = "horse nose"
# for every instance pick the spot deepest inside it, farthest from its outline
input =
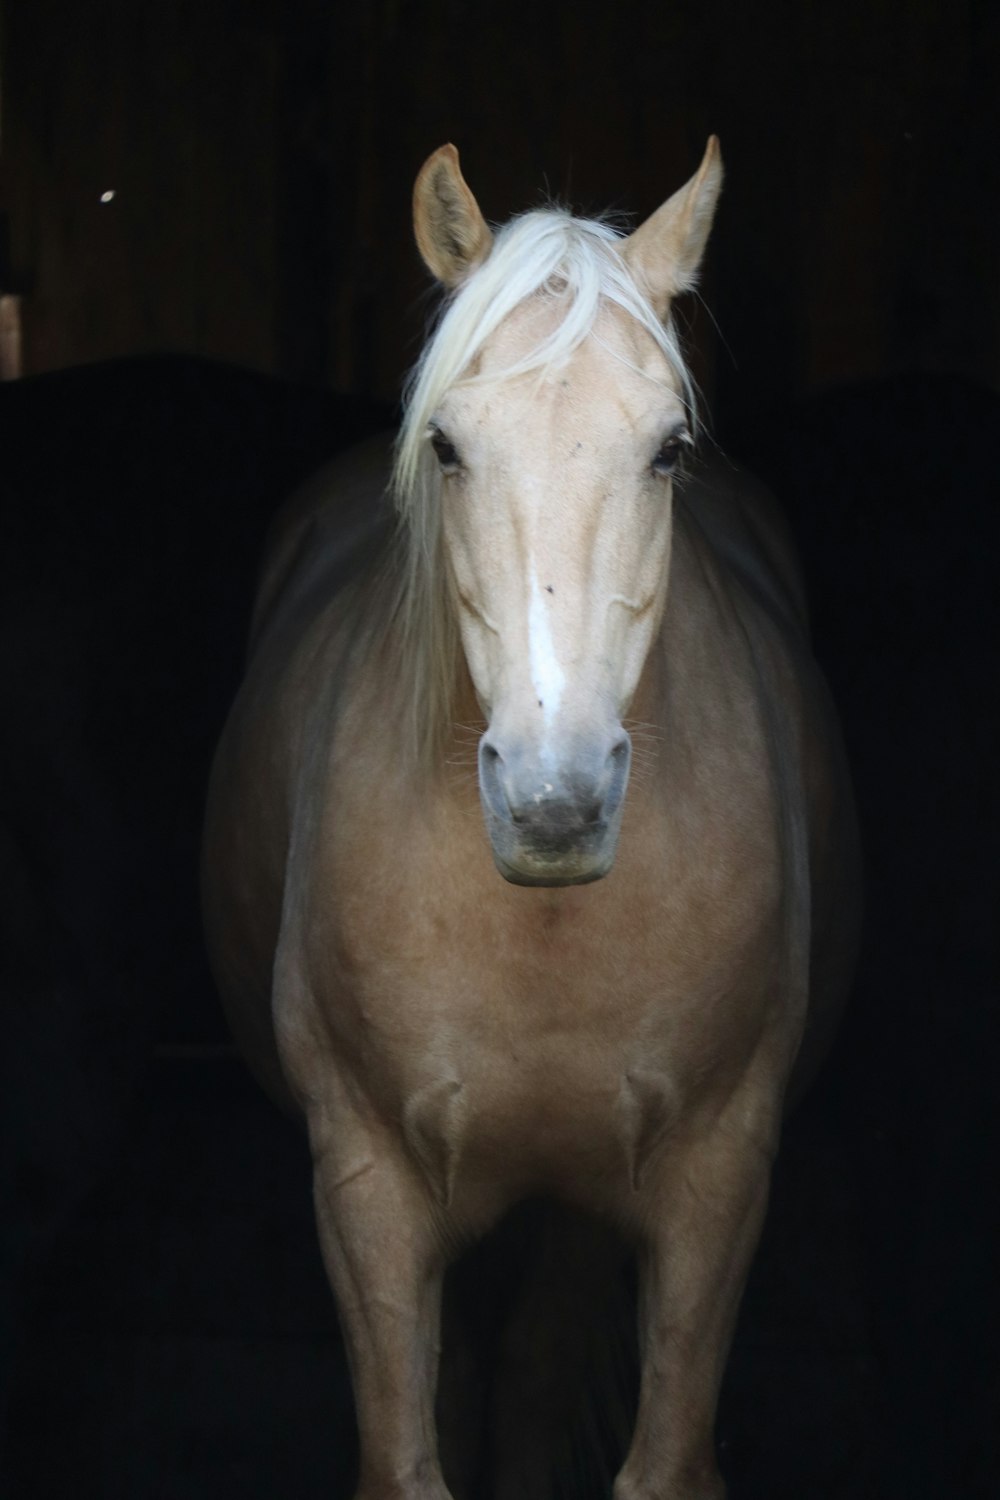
(553, 808)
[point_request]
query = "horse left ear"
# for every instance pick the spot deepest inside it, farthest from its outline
(665, 252)
(452, 235)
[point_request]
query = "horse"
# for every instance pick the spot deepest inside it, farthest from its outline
(530, 863)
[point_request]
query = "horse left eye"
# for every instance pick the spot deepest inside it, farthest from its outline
(669, 456)
(447, 453)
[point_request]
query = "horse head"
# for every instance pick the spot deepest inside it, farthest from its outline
(551, 413)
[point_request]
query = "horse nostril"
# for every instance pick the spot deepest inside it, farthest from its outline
(585, 802)
(618, 765)
(491, 780)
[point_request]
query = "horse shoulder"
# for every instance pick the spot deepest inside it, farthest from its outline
(319, 546)
(733, 539)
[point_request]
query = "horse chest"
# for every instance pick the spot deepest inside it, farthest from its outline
(530, 1039)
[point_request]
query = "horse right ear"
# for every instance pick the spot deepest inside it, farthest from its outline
(665, 252)
(452, 236)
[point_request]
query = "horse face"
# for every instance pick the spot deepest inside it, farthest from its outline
(556, 522)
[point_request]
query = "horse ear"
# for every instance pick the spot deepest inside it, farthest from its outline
(665, 252)
(452, 235)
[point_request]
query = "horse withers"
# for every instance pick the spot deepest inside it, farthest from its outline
(530, 866)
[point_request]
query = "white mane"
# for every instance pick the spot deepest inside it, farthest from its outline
(575, 261)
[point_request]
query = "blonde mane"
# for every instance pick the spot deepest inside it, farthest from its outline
(577, 262)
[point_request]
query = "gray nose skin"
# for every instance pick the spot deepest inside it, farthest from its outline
(554, 828)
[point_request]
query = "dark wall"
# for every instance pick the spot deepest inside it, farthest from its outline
(262, 156)
(164, 1323)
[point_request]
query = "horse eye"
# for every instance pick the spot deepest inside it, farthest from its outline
(447, 453)
(671, 451)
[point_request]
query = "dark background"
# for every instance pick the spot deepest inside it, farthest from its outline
(243, 306)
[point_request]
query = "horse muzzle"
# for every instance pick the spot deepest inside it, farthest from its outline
(553, 825)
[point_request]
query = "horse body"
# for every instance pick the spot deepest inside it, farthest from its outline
(457, 1041)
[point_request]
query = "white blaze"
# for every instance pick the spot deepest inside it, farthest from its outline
(547, 676)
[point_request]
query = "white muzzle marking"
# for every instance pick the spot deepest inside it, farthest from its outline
(547, 677)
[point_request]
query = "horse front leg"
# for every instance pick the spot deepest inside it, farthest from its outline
(704, 1206)
(384, 1259)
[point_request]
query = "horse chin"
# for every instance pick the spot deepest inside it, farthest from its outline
(552, 878)
(524, 864)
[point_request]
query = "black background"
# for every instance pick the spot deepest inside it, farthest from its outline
(166, 1328)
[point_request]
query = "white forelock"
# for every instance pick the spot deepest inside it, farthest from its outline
(577, 262)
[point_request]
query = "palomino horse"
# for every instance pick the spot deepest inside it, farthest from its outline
(610, 1010)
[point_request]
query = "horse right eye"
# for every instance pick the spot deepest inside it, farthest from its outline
(447, 453)
(670, 453)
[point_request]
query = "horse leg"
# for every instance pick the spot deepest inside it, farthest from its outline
(385, 1263)
(705, 1202)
